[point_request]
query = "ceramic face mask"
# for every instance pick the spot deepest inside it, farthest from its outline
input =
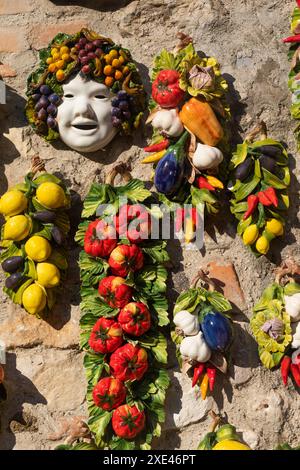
(84, 116)
(85, 90)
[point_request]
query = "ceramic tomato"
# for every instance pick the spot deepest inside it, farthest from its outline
(125, 258)
(109, 393)
(100, 239)
(129, 362)
(114, 291)
(128, 421)
(165, 89)
(135, 318)
(133, 222)
(106, 336)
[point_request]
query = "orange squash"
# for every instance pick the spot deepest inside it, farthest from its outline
(199, 118)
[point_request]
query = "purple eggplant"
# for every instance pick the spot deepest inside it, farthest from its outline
(217, 330)
(44, 216)
(243, 170)
(14, 280)
(57, 235)
(169, 171)
(268, 163)
(270, 150)
(12, 264)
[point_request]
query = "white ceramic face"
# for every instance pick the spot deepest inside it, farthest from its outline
(84, 116)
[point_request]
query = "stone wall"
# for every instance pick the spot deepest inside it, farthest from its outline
(44, 373)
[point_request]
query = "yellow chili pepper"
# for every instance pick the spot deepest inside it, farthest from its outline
(155, 157)
(215, 182)
(189, 233)
(204, 386)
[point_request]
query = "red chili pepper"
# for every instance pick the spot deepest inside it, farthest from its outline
(211, 372)
(296, 374)
(198, 370)
(271, 195)
(204, 184)
(295, 38)
(194, 216)
(164, 144)
(263, 199)
(285, 369)
(298, 3)
(179, 218)
(252, 201)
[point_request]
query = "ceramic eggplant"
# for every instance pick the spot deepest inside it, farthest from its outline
(216, 330)
(170, 169)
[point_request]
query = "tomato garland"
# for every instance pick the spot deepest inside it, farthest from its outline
(123, 305)
(34, 259)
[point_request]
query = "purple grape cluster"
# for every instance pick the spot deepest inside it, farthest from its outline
(88, 51)
(46, 105)
(121, 108)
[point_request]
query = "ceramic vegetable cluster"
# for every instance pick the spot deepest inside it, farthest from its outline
(188, 115)
(32, 240)
(259, 181)
(203, 333)
(294, 74)
(221, 437)
(95, 58)
(124, 306)
(276, 323)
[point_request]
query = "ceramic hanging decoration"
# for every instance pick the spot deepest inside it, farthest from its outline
(189, 116)
(85, 90)
(124, 306)
(32, 240)
(202, 333)
(221, 437)
(294, 74)
(259, 181)
(276, 323)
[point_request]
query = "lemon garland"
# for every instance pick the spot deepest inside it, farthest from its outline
(32, 241)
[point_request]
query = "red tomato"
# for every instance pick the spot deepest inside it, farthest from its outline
(114, 291)
(125, 258)
(106, 336)
(100, 239)
(128, 421)
(165, 89)
(109, 393)
(129, 363)
(135, 318)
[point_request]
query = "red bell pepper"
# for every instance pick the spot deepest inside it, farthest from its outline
(296, 374)
(198, 371)
(252, 201)
(164, 144)
(211, 372)
(285, 368)
(204, 184)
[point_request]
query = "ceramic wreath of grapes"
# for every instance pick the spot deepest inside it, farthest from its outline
(86, 90)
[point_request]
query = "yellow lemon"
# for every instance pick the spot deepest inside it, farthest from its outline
(262, 245)
(230, 445)
(38, 248)
(250, 234)
(34, 299)
(275, 226)
(48, 274)
(51, 195)
(17, 228)
(13, 203)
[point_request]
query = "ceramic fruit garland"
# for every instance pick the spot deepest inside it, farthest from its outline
(189, 114)
(276, 323)
(96, 58)
(294, 77)
(124, 305)
(32, 238)
(259, 181)
(221, 437)
(203, 332)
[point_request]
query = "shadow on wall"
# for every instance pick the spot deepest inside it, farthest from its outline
(20, 390)
(101, 5)
(13, 116)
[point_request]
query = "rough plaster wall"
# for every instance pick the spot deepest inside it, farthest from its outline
(44, 373)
